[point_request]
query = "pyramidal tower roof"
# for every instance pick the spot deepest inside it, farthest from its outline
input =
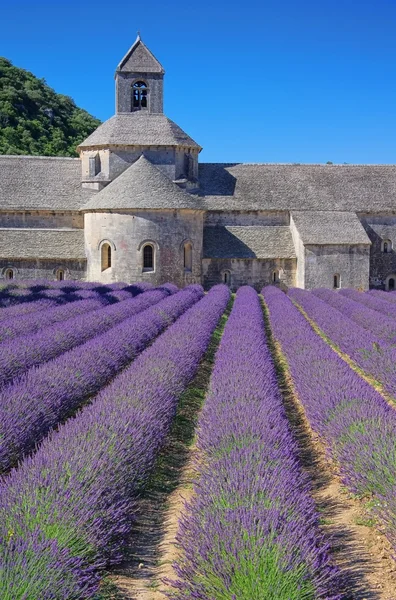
(139, 59)
(142, 185)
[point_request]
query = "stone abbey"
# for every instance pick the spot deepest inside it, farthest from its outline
(138, 206)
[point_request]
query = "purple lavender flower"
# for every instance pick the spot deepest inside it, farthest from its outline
(79, 490)
(355, 422)
(251, 530)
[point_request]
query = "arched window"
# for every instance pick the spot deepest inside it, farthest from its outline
(9, 274)
(227, 277)
(139, 95)
(60, 274)
(386, 246)
(275, 276)
(105, 256)
(390, 283)
(148, 257)
(187, 256)
(336, 281)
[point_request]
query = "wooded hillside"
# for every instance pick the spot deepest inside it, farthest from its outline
(34, 119)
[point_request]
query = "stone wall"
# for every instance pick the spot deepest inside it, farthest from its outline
(128, 231)
(300, 253)
(43, 269)
(124, 83)
(41, 219)
(246, 218)
(382, 265)
(352, 263)
(171, 161)
(254, 272)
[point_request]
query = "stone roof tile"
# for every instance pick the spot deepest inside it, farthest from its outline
(329, 227)
(139, 59)
(42, 243)
(139, 128)
(41, 183)
(248, 242)
(142, 185)
(300, 187)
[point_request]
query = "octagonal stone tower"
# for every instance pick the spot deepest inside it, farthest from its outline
(138, 127)
(141, 223)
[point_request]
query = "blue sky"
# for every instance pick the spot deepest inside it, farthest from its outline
(292, 81)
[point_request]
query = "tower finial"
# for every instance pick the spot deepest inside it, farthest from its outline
(138, 34)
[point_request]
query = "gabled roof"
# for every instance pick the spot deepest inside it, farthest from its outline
(139, 129)
(142, 185)
(380, 230)
(139, 59)
(329, 227)
(41, 183)
(42, 243)
(248, 242)
(370, 188)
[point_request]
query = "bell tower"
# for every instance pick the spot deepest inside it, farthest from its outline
(139, 81)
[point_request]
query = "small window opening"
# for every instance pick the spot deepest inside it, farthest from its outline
(139, 95)
(386, 246)
(391, 284)
(148, 258)
(187, 257)
(275, 276)
(106, 256)
(227, 277)
(94, 165)
(60, 275)
(9, 274)
(336, 281)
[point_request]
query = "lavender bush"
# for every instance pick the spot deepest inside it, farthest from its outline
(32, 322)
(378, 304)
(79, 491)
(39, 400)
(17, 355)
(18, 310)
(386, 296)
(372, 354)
(251, 530)
(381, 325)
(355, 422)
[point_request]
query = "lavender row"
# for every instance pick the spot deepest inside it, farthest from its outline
(382, 326)
(386, 296)
(36, 402)
(65, 291)
(375, 303)
(66, 512)
(251, 529)
(372, 354)
(20, 354)
(32, 322)
(357, 425)
(25, 308)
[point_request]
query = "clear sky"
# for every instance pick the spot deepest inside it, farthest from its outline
(265, 81)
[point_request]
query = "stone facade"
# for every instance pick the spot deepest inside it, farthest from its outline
(136, 205)
(128, 231)
(255, 272)
(44, 268)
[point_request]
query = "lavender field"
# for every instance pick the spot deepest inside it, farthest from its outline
(267, 415)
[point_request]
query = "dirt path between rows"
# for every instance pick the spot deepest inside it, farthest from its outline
(153, 548)
(362, 552)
